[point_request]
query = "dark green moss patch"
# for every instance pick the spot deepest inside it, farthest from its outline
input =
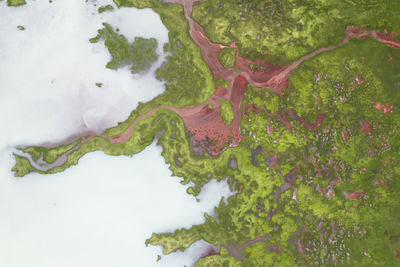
(226, 111)
(139, 55)
(16, 2)
(22, 166)
(105, 8)
(227, 57)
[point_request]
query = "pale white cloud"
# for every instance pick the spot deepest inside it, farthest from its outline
(100, 212)
(51, 68)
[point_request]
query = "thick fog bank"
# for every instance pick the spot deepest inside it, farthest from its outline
(52, 69)
(100, 212)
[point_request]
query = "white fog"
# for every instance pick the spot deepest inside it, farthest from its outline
(100, 212)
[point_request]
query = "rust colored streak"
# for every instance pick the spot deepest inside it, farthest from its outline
(238, 89)
(220, 92)
(210, 52)
(381, 37)
(366, 127)
(209, 133)
(309, 126)
(354, 195)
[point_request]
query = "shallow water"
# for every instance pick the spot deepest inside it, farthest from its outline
(100, 212)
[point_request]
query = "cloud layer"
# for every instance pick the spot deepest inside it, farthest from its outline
(100, 212)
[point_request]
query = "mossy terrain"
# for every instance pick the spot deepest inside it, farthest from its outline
(50, 155)
(227, 113)
(330, 227)
(138, 55)
(221, 82)
(316, 173)
(105, 8)
(22, 166)
(227, 57)
(281, 31)
(16, 2)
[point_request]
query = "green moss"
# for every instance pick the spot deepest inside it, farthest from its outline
(227, 57)
(268, 129)
(283, 31)
(138, 55)
(221, 82)
(16, 2)
(21, 28)
(105, 8)
(35, 152)
(226, 112)
(99, 84)
(166, 47)
(52, 154)
(22, 166)
(188, 78)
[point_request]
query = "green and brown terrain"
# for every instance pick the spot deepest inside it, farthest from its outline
(296, 104)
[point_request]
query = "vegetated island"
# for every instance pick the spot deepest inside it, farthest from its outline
(14, 3)
(138, 55)
(309, 142)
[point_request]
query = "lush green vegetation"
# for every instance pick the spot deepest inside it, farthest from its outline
(283, 31)
(22, 166)
(105, 8)
(329, 226)
(21, 28)
(226, 111)
(138, 55)
(221, 82)
(16, 2)
(227, 57)
(317, 195)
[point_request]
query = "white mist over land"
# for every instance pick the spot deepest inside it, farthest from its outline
(52, 68)
(100, 212)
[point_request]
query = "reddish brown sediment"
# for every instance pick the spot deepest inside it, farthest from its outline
(208, 132)
(210, 52)
(220, 92)
(365, 126)
(359, 80)
(386, 38)
(293, 115)
(309, 126)
(354, 195)
(387, 108)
